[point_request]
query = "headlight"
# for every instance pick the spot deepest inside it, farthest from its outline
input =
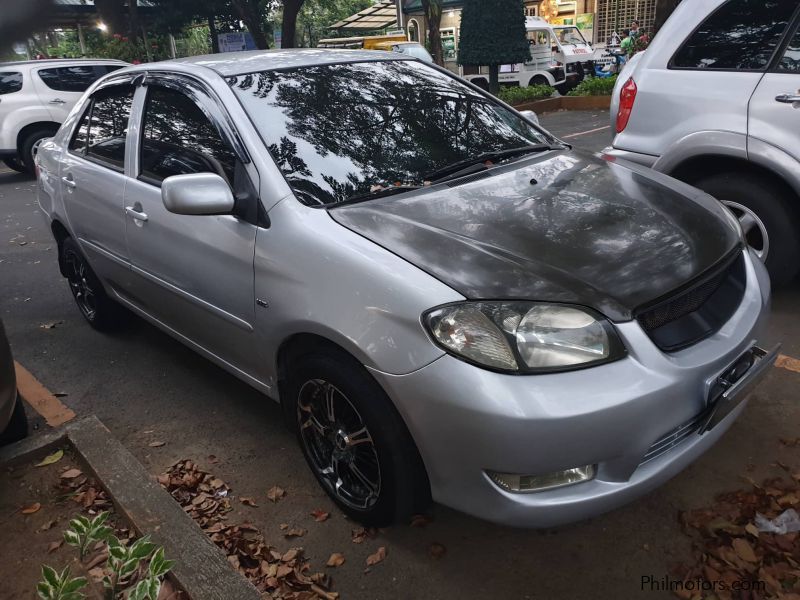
(524, 337)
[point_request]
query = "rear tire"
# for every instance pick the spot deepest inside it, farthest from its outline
(17, 427)
(15, 164)
(772, 205)
(360, 450)
(100, 311)
(29, 146)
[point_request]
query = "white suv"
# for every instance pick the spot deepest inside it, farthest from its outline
(36, 97)
(715, 102)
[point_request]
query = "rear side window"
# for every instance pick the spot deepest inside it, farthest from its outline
(740, 35)
(103, 129)
(10, 82)
(790, 61)
(77, 78)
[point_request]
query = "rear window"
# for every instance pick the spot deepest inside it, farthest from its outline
(77, 78)
(740, 35)
(10, 82)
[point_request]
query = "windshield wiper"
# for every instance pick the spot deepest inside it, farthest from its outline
(476, 164)
(382, 193)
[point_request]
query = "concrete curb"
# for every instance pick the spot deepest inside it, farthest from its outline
(200, 568)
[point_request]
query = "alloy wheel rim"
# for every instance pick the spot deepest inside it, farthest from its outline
(77, 276)
(755, 232)
(35, 148)
(339, 445)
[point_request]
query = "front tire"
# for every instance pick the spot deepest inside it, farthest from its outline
(17, 428)
(775, 226)
(354, 440)
(30, 146)
(15, 164)
(100, 311)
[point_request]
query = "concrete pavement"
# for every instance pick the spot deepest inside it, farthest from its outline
(146, 387)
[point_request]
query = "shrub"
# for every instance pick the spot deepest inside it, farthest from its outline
(594, 86)
(518, 95)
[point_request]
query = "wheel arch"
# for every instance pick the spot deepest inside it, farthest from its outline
(60, 233)
(31, 127)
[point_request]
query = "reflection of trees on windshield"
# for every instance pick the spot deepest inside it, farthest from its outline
(355, 126)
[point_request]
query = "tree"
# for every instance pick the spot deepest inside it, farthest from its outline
(493, 34)
(316, 17)
(291, 8)
(254, 13)
(433, 14)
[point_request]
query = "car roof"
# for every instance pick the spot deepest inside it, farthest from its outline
(59, 61)
(238, 63)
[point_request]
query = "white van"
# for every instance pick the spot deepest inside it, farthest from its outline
(558, 55)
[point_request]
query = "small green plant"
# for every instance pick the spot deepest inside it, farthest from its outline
(594, 86)
(83, 532)
(60, 586)
(518, 95)
(124, 562)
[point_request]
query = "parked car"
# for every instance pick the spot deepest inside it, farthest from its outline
(35, 98)
(714, 102)
(414, 49)
(446, 300)
(13, 423)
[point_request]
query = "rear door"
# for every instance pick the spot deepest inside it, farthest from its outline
(59, 88)
(192, 273)
(93, 180)
(775, 106)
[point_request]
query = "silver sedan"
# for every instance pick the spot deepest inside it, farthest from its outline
(447, 301)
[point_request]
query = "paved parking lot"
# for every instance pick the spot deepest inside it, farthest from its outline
(146, 387)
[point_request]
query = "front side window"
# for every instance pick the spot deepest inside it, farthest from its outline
(740, 35)
(341, 131)
(790, 61)
(178, 138)
(77, 78)
(103, 128)
(10, 82)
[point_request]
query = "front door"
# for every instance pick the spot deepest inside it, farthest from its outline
(194, 274)
(774, 115)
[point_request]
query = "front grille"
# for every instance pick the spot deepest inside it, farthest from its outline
(698, 311)
(674, 437)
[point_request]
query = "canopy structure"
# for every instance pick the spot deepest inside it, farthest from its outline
(379, 16)
(69, 13)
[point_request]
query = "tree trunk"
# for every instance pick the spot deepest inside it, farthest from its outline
(212, 33)
(134, 30)
(291, 8)
(433, 14)
(664, 9)
(252, 19)
(494, 79)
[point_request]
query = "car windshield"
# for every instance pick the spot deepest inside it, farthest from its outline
(415, 50)
(570, 35)
(345, 131)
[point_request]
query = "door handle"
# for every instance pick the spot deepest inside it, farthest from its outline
(136, 214)
(788, 98)
(69, 182)
(57, 101)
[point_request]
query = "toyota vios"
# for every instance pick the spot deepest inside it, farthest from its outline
(447, 301)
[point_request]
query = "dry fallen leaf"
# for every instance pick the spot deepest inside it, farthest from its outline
(97, 573)
(419, 521)
(289, 555)
(437, 550)
(212, 459)
(53, 546)
(29, 510)
(48, 525)
(51, 324)
(275, 493)
(50, 459)
(71, 474)
(751, 529)
(156, 444)
(248, 501)
(744, 550)
(320, 515)
(374, 559)
(294, 532)
(336, 560)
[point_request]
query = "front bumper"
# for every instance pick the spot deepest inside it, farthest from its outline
(466, 420)
(646, 160)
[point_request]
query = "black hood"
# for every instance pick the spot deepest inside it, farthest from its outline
(563, 227)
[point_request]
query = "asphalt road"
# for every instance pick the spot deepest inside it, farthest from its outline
(147, 387)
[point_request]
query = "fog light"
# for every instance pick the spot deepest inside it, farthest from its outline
(537, 483)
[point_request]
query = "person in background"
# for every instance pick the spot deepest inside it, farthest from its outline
(626, 45)
(635, 32)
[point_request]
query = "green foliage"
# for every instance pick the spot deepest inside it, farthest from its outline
(493, 33)
(316, 16)
(518, 95)
(60, 586)
(594, 86)
(124, 560)
(83, 532)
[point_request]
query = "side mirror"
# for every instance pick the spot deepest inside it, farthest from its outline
(197, 194)
(529, 115)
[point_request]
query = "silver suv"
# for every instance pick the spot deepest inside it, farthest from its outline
(35, 98)
(715, 102)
